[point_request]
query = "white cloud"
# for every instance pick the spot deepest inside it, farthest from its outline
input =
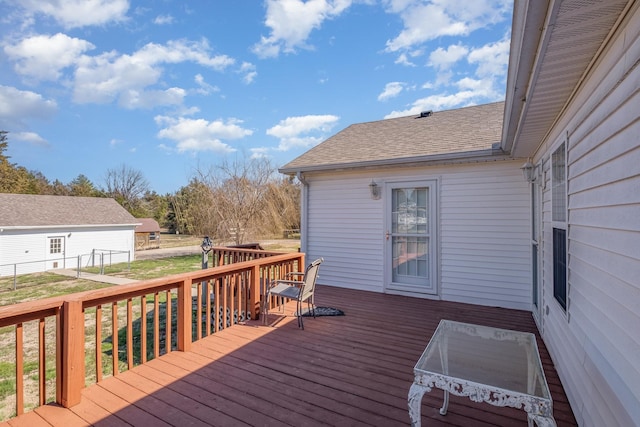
(259, 152)
(44, 57)
(78, 13)
(291, 23)
(163, 20)
(444, 59)
(295, 131)
(31, 138)
(200, 134)
(391, 90)
(437, 102)
(17, 106)
(492, 58)
(428, 20)
(145, 99)
(110, 76)
(205, 88)
(404, 60)
(249, 71)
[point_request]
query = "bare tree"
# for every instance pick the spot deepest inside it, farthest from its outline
(191, 209)
(282, 206)
(127, 186)
(239, 190)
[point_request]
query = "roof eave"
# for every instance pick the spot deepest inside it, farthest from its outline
(62, 227)
(491, 154)
(528, 19)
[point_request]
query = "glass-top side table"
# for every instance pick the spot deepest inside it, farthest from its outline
(497, 366)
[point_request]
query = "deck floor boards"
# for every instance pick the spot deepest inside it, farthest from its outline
(352, 370)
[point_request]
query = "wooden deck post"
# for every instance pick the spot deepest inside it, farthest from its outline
(72, 353)
(184, 315)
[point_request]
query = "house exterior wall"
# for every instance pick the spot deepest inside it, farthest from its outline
(24, 251)
(595, 344)
(483, 230)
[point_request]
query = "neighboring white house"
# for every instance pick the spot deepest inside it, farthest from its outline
(451, 216)
(39, 233)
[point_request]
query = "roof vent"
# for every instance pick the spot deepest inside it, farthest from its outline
(426, 113)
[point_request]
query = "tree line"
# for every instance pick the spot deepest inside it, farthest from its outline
(233, 201)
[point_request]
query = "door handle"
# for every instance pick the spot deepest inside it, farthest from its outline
(387, 235)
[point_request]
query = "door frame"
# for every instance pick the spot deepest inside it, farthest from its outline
(53, 259)
(536, 193)
(434, 228)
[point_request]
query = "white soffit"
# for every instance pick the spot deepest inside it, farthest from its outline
(574, 32)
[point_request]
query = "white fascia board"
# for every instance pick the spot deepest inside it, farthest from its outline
(468, 156)
(64, 227)
(528, 36)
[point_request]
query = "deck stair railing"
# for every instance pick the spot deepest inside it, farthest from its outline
(80, 338)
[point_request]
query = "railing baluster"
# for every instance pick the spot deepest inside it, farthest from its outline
(199, 287)
(129, 333)
(42, 362)
(168, 323)
(143, 329)
(156, 325)
(59, 349)
(232, 294)
(19, 369)
(114, 338)
(98, 343)
(225, 296)
(207, 327)
(216, 307)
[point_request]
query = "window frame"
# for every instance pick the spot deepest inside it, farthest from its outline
(559, 226)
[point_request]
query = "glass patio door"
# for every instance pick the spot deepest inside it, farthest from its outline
(410, 237)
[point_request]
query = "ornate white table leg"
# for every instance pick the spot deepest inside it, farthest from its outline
(445, 404)
(444, 360)
(542, 421)
(415, 402)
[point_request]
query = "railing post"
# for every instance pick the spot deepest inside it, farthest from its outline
(254, 292)
(72, 353)
(185, 308)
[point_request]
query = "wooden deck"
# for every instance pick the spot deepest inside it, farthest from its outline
(347, 371)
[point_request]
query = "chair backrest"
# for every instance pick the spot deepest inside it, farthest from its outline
(310, 277)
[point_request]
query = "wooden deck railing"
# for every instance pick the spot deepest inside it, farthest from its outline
(223, 255)
(142, 320)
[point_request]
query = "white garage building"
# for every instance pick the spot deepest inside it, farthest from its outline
(39, 233)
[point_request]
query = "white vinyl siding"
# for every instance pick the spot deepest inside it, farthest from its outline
(29, 249)
(596, 347)
(345, 227)
(485, 231)
(483, 251)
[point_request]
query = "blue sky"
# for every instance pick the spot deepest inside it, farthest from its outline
(168, 87)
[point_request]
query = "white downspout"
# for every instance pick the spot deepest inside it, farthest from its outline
(304, 212)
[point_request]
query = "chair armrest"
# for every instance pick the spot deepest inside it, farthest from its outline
(294, 273)
(286, 282)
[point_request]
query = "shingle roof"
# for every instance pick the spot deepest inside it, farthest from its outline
(147, 225)
(462, 130)
(28, 210)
